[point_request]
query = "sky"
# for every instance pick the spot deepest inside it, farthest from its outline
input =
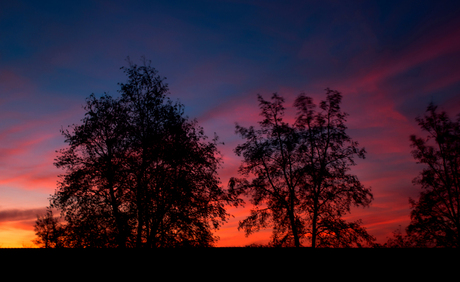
(389, 59)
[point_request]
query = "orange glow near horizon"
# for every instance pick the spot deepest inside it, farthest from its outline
(16, 235)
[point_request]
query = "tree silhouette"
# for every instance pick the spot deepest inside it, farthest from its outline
(302, 187)
(49, 231)
(138, 172)
(435, 217)
(398, 240)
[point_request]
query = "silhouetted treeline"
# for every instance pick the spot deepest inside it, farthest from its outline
(138, 173)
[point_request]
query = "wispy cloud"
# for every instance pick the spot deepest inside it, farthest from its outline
(20, 214)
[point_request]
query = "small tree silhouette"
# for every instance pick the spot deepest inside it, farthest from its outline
(49, 231)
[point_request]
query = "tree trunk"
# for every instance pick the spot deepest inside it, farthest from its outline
(293, 223)
(121, 235)
(140, 221)
(314, 223)
(294, 229)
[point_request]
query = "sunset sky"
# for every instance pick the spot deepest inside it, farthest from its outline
(389, 59)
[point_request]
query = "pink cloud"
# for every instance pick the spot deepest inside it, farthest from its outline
(429, 47)
(27, 152)
(20, 214)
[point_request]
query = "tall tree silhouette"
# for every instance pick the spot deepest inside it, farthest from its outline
(302, 187)
(138, 172)
(435, 217)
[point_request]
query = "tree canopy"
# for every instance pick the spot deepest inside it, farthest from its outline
(138, 173)
(301, 186)
(435, 217)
